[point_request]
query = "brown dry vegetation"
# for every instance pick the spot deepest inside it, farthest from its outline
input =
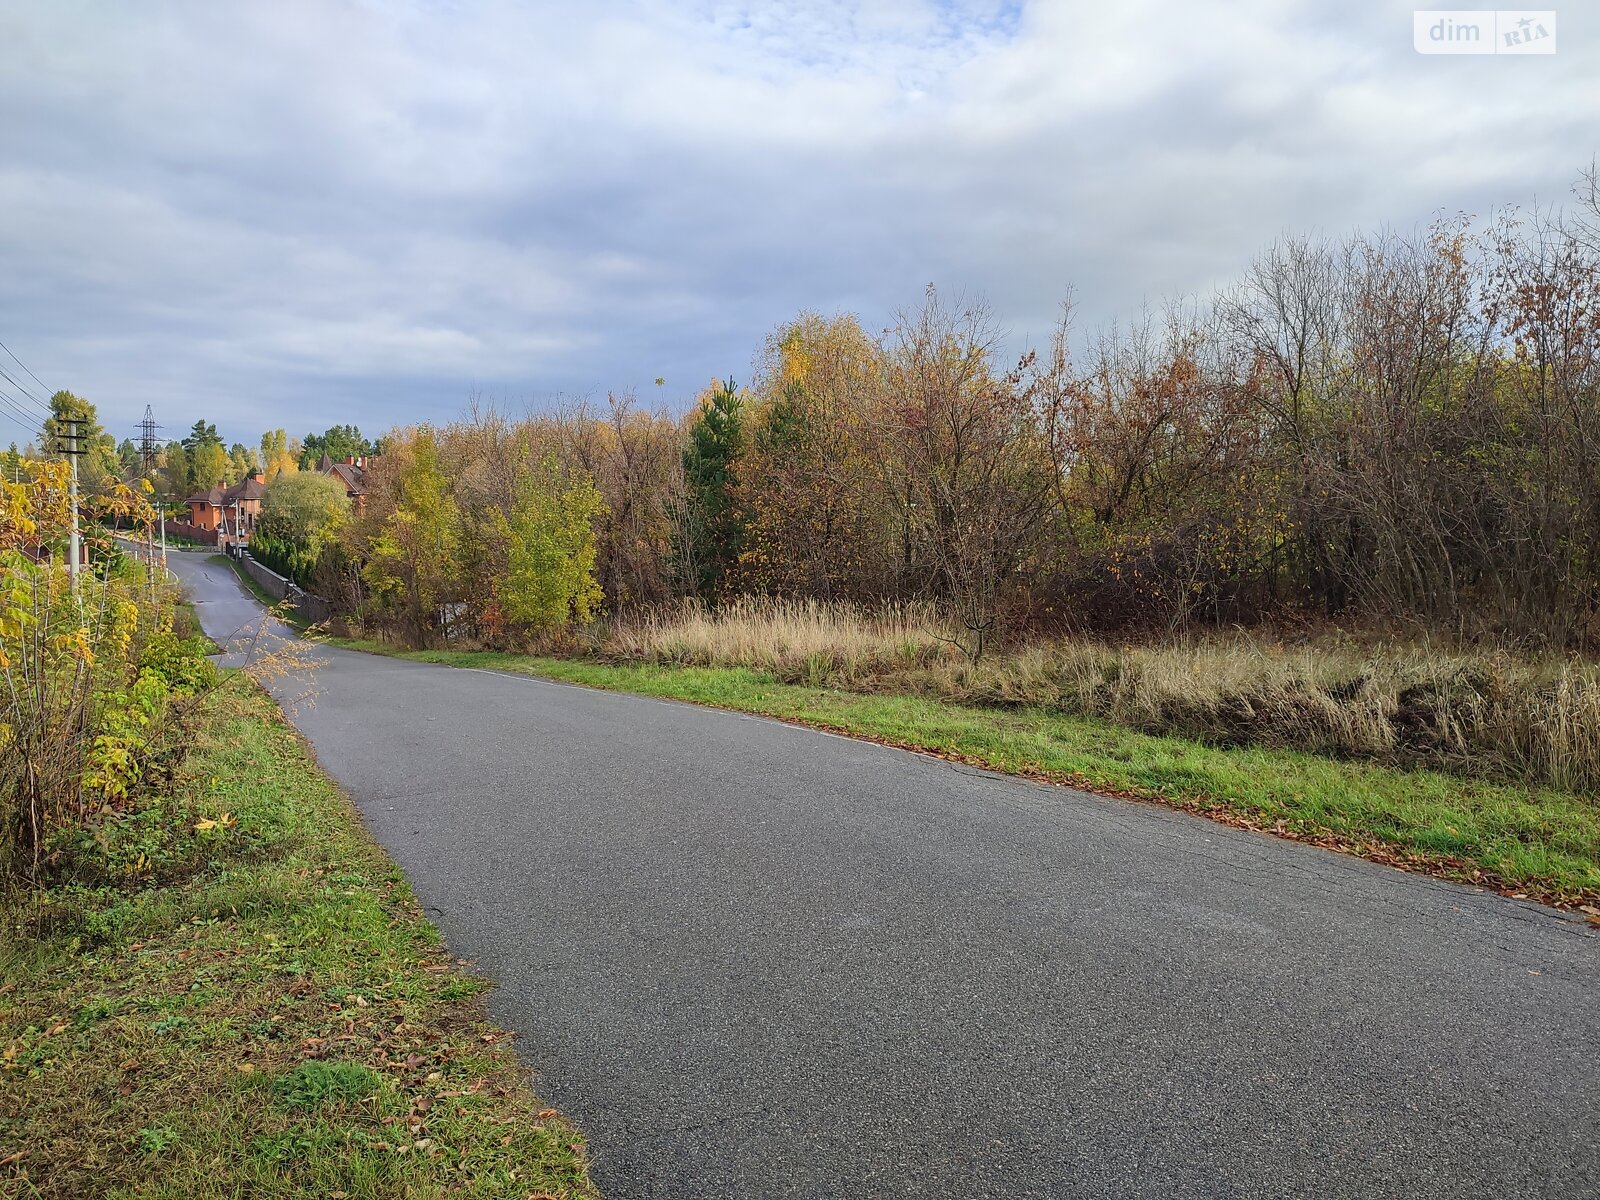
(1536, 719)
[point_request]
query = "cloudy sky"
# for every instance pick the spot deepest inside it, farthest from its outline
(292, 213)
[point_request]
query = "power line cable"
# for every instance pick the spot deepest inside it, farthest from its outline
(25, 426)
(24, 366)
(36, 417)
(25, 393)
(22, 407)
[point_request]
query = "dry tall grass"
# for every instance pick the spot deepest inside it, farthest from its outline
(1495, 713)
(800, 640)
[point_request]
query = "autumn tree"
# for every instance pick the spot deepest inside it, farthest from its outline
(208, 466)
(175, 475)
(964, 457)
(97, 465)
(276, 456)
(307, 508)
(635, 460)
(550, 549)
(241, 461)
(301, 515)
(1394, 428)
(814, 523)
(481, 529)
(1160, 517)
(1539, 561)
(410, 559)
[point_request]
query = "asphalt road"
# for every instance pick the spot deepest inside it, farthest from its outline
(753, 960)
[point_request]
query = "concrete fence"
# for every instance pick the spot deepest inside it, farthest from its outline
(314, 608)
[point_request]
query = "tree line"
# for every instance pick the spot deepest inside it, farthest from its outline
(182, 466)
(1383, 427)
(198, 460)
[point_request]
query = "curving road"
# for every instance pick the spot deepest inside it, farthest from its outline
(753, 960)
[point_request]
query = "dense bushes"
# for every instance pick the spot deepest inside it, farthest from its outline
(93, 680)
(290, 558)
(480, 530)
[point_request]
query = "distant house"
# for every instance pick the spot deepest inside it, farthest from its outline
(231, 511)
(352, 472)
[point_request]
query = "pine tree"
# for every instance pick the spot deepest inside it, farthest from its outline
(338, 443)
(202, 434)
(709, 522)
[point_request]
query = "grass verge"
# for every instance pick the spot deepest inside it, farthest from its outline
(270, 1015)
(1535, 842)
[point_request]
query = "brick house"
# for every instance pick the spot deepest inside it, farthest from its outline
(352, 472)
(233, 511)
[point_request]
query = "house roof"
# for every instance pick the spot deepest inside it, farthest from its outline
(352, 476)
(248, 488)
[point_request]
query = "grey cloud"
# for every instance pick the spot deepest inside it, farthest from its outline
(291, 214)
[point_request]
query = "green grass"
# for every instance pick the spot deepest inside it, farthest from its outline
(262, 1012)
(1533, 841)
